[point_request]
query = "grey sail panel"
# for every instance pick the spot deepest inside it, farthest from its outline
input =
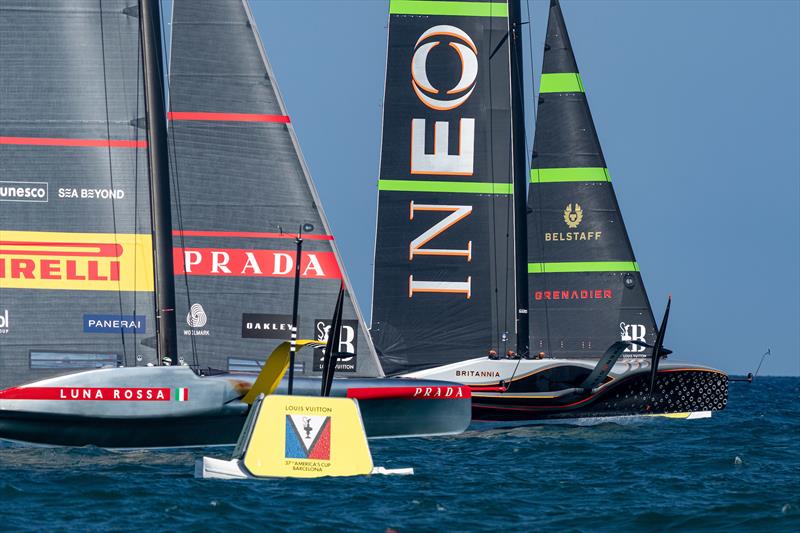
(241, 192)
(444, 278)
(75, 255)
(585, 285)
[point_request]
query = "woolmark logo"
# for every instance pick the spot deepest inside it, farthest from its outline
(196, 318)
(23, 191)
(4, 322)
(114, 323)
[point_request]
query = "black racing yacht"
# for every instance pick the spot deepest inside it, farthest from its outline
(511, 274)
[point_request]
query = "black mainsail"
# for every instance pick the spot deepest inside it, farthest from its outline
(444, 256)
(241, 193)
(76, 274)
(585, 286)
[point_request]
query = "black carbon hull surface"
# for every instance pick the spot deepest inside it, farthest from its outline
(676, 391)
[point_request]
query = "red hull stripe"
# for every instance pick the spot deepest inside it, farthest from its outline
(455, 392)
(83, 143)
(226, 117)
(249, 235)
(124, 394)
(479, 388)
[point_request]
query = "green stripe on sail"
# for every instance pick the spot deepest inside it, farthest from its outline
(561, 83)
(445, 186)
(556, 175)
(588, 266)
(461, 9)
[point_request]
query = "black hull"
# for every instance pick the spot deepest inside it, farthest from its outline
(676, 391)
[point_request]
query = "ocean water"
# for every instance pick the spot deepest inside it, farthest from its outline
(738, 470)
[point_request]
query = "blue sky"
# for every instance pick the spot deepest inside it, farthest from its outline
(697, 104)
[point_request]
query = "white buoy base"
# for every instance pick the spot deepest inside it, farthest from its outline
(210, 468)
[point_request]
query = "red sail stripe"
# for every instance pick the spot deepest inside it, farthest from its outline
(249, 235)
(85, 143)
(226, 117)
(440, 392)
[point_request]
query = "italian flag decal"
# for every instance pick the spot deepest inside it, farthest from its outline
(182, 394)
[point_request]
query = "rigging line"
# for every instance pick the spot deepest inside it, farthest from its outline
(538, 197)
(111, 168)
(495, 327)
(176, 188)
(136, 196)
(510, 210)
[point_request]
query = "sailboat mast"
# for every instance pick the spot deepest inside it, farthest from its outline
(157, 153)
(519, 158)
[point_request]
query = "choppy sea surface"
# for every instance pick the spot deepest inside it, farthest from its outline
(738, 470)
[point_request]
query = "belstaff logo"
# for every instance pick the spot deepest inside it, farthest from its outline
(4, 322)
(467, 52)
(76, 261)
(573, 215)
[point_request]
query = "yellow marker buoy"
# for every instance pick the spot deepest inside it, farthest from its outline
(298, 436)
